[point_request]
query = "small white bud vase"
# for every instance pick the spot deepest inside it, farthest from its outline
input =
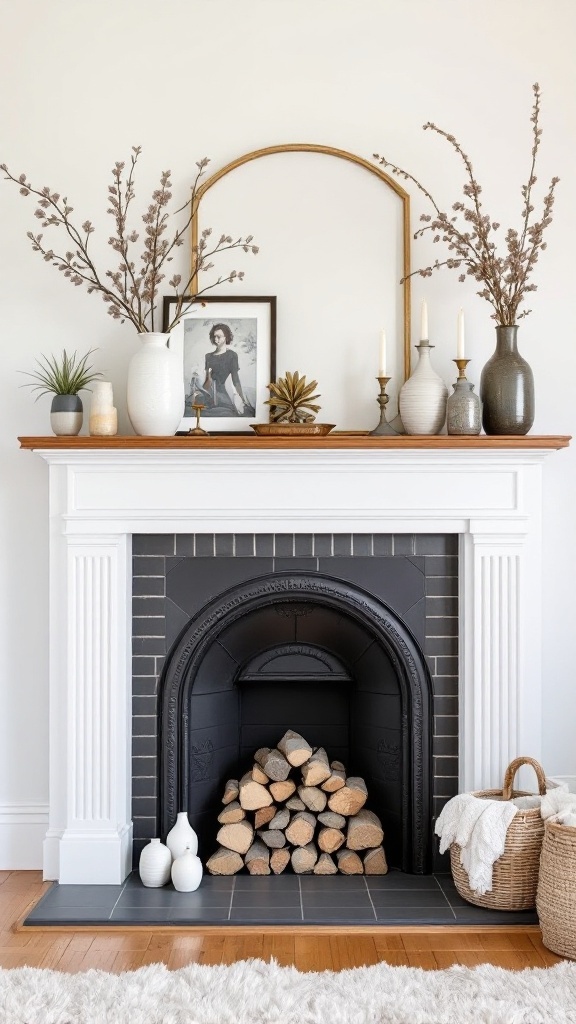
(422, 401)
(103, 420)
(155, 864)
(187, 871)
(181, 835)
(155, 387)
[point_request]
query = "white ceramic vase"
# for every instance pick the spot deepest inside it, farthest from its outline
(181, 836)
(187, 871)
(155, 864)
(155, 387)
(423, 397)
(103, 416)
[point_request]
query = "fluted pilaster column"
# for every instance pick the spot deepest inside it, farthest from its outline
(90, 833)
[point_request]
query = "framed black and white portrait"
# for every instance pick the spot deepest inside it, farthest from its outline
(228, 348)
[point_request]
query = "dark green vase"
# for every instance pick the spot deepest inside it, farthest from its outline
(507, 388)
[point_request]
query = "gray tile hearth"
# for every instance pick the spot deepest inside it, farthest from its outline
(392, 899)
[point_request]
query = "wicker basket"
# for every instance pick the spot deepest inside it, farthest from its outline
(515, 873)
(556, 897)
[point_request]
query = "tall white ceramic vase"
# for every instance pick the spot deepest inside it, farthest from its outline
(155, 387)
(423, 397)
(181, 836)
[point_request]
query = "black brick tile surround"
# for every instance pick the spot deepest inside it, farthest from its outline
(161, 609)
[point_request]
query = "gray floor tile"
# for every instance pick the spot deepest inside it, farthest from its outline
(175, 915)
(414, 915)
(68, 915)
(330, 883)
(455, 900)
(218, 882)
(169, 898)
(257, 915)
(282, 898)
(336, 899)
(133, 882)
(266, 883)
(400, 880)
(346, 915)
(479, 916)
(408, 898)
(210, 882)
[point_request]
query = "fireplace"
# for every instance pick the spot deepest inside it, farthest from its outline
(352, 642)
(100, 497)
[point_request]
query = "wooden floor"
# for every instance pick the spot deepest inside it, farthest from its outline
(308, 950)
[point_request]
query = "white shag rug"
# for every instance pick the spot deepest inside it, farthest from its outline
(254, 992)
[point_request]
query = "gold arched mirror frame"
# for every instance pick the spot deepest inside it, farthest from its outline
(341, 154)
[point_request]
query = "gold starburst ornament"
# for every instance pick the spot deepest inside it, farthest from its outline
(292, 399)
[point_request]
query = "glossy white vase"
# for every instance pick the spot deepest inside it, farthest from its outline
(181, 835)
(422, 401)
(155, 864)
(155, 387)
(187, 871)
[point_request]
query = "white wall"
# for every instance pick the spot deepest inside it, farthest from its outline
(83, 80)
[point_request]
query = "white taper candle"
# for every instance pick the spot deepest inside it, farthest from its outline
(424, 322)
(460, 336)
(382, 361)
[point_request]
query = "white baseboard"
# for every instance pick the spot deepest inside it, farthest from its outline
(22, 831)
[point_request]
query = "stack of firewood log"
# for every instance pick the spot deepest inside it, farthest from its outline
(315, 822)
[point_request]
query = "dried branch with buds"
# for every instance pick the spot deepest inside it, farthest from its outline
(469, 233)
(131, 290)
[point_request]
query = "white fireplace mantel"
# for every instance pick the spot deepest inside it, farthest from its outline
(99, 497)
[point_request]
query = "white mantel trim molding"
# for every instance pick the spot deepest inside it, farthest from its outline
(99, 498)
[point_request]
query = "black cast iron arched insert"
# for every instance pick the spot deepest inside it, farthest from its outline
(372, 615)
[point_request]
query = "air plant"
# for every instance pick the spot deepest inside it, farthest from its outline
(64, 375)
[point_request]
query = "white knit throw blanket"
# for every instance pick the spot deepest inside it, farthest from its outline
(479, 827)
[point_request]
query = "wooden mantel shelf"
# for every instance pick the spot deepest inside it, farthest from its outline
(333, 441)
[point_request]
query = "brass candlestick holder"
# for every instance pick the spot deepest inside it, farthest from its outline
(197, 430)
(383, 429)
(461, 364)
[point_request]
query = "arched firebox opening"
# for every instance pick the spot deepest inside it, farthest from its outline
(312, 653)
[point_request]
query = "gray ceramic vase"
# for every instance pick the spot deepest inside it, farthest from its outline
(507, 388)
(463, 409)
(66, 414)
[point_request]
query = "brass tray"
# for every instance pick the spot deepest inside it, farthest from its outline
(292, 429)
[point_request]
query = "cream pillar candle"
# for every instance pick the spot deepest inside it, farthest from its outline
(103, 416)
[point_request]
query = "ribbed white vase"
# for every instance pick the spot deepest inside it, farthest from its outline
(423, 397)
(155, 387)
(181, 835)
(155, 864)
(187, 871)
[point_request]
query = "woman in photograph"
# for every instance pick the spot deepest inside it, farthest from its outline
(220, 364)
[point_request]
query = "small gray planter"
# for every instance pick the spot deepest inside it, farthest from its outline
(66, 415)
